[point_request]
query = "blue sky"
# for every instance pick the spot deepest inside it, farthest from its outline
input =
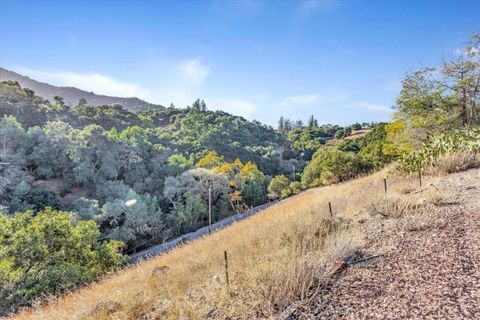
(341, 61)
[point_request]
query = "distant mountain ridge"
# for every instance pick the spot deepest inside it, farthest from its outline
(71, 95)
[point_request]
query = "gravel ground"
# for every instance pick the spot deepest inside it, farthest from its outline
(430, 268)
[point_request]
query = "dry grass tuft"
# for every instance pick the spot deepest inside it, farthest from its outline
(454, 163)
(437, 198)
(393, 206)
(276, 258)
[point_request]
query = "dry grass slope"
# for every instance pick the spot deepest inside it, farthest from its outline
(276, 258)
(426, 264)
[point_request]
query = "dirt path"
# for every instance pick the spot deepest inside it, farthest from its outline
(430, 268)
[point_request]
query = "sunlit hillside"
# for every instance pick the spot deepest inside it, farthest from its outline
(274, 258)
(239, 160)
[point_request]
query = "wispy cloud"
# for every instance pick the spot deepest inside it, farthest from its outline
(178, 87)
(308, 100)
(240, 107)
(374, 107)
(181, 88)
(98, 83)
(193, 70)
(305, 100)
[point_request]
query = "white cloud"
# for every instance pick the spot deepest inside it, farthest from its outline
(181, 83)
(374, 107)
(239, 107)
(193, 70)
(182, 87)
(304, 100)
(95, 82)
(311, 100)
(178, 86)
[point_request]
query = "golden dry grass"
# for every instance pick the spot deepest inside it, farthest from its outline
(358, 133)
(275, 259)
(393, 206)
(455, 162)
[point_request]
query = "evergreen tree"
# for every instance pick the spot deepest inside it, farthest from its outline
(298, 125)
(82, 102)
(288, 125)
(312, 122)
(59, 101)
(281, 124)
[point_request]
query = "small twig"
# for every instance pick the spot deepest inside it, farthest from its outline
(364, 259)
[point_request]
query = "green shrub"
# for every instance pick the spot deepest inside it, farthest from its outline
(286, 192)
(330, 166)
(47, 254)
(25, 198)
(277, 185)
(340, 134)
(457, 141)
(296, 186)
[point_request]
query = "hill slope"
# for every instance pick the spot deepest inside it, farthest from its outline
(429, 268)
(283, 255)
(73, 95)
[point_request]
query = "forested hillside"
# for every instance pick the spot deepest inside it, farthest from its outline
(87, 157)
(72, 95)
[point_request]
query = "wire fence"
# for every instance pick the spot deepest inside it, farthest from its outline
(169, 245)
(206, 230)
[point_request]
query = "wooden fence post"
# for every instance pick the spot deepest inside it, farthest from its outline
(420, 177)
(385, 185)
(330, 209)
(226, 270)
(209, 210)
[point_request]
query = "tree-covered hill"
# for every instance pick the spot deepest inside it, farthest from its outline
(71, 95)
(91, 160)
(190, 131)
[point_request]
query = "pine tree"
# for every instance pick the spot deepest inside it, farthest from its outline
(312, 122)
(287, 125)
(298, 125)
(281, 124)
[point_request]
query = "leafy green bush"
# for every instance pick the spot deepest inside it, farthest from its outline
(47, 254)
(457, 141)
(330, 165)
(356, 126)
(372, 145)
(348, 145)
(286, 192)
(340, 134)
(26, 198)
(296, 186)
(277, 185)
(308, 140)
